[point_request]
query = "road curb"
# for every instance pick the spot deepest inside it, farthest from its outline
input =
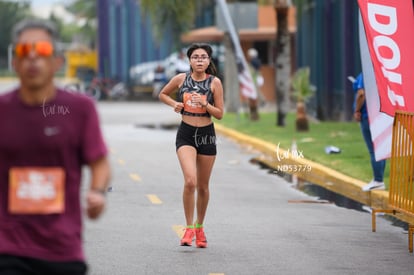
(318, 174)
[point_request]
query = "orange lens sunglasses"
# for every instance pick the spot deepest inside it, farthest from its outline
(42, 48)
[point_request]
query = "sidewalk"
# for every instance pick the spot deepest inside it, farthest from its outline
(313, 172)
(10, 79)
(7, 79)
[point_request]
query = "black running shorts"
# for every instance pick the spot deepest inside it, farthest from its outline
(203, 139)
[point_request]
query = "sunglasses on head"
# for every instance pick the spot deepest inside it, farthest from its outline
(41, 48)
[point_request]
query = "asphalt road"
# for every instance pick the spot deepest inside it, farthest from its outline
(256, 223)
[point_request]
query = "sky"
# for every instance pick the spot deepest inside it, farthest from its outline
(43, 8)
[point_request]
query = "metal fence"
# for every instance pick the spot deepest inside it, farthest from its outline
(401, 189)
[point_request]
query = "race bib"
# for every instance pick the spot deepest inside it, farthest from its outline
(191, 107)
(36, 190)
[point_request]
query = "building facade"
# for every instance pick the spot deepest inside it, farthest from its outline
(328, 42)
(125, 38)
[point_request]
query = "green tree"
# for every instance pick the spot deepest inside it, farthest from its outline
(57, 22)
(85, 10)
(10, 14)
(66, 31)
(177, 16)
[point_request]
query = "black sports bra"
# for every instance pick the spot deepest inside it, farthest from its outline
(202, 87)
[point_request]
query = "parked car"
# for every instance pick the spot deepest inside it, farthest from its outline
(142, 75)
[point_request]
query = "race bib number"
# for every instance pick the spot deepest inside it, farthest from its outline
(191, 107)
(36, 190)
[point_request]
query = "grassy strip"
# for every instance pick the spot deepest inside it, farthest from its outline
(6, 73)
(353, 160)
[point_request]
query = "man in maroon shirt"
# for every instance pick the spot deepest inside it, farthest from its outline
(46, 136)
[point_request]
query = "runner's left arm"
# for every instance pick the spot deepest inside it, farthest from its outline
(100, 176)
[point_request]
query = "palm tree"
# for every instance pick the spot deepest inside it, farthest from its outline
(283, 61)
(303, 90)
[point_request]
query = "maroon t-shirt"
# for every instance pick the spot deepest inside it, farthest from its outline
(63, 132)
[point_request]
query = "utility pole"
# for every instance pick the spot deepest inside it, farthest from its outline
(245, 79)
(231, 87)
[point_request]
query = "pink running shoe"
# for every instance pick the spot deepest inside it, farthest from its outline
(201, 240)
(187, 239)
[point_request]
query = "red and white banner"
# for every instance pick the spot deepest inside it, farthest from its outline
(247, 87)
(387, 53)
